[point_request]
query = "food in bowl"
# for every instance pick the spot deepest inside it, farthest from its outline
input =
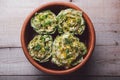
(70, 20)
(40, 48)
(27, 33)
(67, 51)
(44, 22)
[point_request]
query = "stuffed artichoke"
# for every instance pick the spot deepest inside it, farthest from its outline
(70, 20)
(40, 48)
(67, 50)
(44, 22)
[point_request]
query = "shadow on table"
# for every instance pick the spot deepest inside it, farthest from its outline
(85, 73)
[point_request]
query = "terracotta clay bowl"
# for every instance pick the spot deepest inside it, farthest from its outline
(27, 33)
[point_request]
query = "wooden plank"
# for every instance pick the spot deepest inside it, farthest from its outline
(111, 37)
(107, 27)
(101, 11)
(56, 78)
(11, 23)
(14, 62)
(104, 61)
(23, 4)
(107, 38)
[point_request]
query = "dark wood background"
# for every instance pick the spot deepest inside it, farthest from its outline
(104, 63)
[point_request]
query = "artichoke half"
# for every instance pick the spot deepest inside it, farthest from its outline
(44, 22)
(70, 20)
(67, 50)
(40, 48)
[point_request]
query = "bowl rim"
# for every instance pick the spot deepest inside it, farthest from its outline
(50, 71)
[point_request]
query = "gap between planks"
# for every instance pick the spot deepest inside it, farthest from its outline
(67, 75)
(70, 0)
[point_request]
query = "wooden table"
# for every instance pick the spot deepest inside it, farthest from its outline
(104, 63)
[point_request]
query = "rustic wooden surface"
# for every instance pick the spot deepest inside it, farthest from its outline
(104, 63)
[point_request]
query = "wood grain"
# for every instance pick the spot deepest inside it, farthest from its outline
(103, 38)
(107, 27)
(104, 61)
(105, 19)
(56, 78)
(12, 16)
(101, 11)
